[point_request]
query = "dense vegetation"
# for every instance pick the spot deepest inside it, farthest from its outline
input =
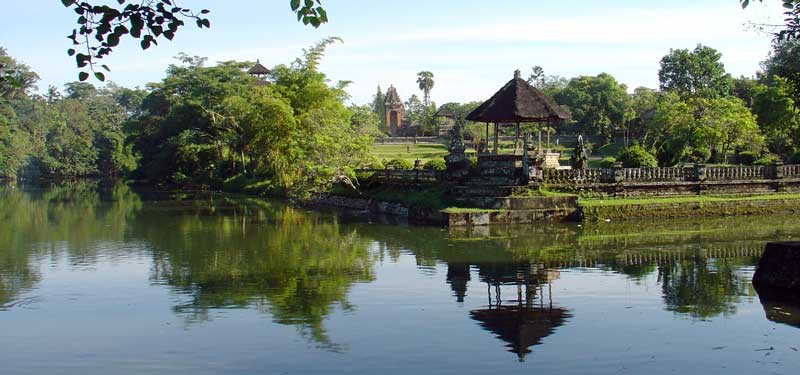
(699, 114)
(209, 127)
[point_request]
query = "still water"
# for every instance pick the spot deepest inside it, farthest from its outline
(110, 281)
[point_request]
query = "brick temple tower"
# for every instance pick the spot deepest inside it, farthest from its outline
(395, 112)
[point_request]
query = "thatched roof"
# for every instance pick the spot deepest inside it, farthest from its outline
(445, 112)
(258, 69)
(518, 101)
(519, 326)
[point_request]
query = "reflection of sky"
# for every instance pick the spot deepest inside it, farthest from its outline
(110, 315)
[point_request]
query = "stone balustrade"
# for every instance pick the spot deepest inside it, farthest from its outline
(404, 176)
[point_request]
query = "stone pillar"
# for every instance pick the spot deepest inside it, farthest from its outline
(777, 174)
(619, 173)
(700, 172)
(777, 170)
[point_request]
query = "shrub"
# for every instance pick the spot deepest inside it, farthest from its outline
(767, 159)
(400, 164)
(746, 157)
(473, 162)
(608, 162)
(435, 164)
(635, 157)
(795, 159)
(376, 164)
(699, 155)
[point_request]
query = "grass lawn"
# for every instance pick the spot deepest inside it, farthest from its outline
(605, 202)
(423, 152)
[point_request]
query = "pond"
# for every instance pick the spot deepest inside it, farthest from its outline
(99, 280)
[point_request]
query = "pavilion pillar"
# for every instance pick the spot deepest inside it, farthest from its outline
(516, 137)
(486, 140)
(539, 150)
(496, 126)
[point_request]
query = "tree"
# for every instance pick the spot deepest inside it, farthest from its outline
(80, 90)
(726, 123)
(778, 115)
(16, 79)
(425, 82)
(598, 104)
(790, 30)
(550, 85)
(102, 26)
(643, 103)
(379, 108)
(695, 74)
(671, 131)
(784, 61)
(744, 89)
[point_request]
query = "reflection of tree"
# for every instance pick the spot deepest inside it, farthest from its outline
(702, 288)
(292, 264)
(57, 221)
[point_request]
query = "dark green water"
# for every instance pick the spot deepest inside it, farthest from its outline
(110, 281)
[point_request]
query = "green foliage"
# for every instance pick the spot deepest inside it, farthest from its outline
(767, 159)
(203, 125)
(365, 121)
(699, 155)
(598, 105)
(694, 74)
(400, 164)
(746, 157)
(435, 164)
(608, 162)
(795, 157)
(679, 126)
(778, 116)
(425, 83)
(636, 157)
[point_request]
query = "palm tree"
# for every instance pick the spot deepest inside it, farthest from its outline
(425, 81)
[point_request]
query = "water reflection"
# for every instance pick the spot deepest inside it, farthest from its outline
(298, 267)
(289, 263)
(55, 223)
(525, 320)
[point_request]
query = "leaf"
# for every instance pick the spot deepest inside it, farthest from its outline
(295, 4)
(68, 3)
(100, 76)
(82, 76)
(104, 66)
(71, 52)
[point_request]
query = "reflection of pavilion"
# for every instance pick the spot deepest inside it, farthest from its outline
(527, 320)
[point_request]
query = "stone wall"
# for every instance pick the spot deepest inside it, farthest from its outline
(696, 179)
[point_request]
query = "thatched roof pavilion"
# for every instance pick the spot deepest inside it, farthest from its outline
(517, 102)
(260, 72)
(445, 112)
(521, 327)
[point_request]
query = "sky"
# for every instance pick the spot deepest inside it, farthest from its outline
(472, 47)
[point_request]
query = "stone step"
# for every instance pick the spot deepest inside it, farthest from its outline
(517, 203)
(485, 191)
(492, 181)
(498, 172)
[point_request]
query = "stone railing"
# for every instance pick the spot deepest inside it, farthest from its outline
(739, 173)
(695, 173)
(403, 176)
(790, 170)
(579, 176)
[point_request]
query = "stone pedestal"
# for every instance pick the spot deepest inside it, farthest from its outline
(779, 267)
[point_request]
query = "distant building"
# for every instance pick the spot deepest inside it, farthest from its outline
(260, 72)
(397, 125)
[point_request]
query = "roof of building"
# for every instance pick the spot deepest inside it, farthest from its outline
(258, 69)
(518, 101)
